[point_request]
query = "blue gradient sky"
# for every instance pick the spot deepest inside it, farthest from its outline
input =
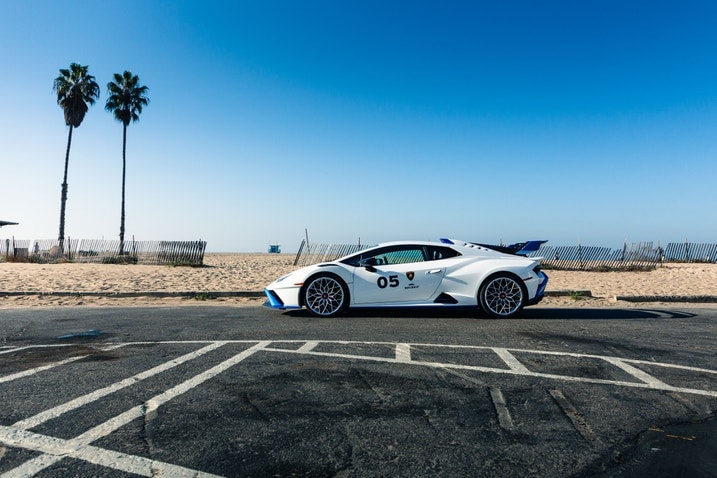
(561, 120)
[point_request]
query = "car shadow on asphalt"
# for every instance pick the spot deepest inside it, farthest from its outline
(559, 313)
(603, 314)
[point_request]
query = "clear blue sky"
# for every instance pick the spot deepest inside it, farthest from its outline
(590, 121)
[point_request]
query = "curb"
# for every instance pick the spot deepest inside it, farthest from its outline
(695, 299)
(668, 298)
(568, 293)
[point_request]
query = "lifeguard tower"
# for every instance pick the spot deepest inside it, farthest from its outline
(274, 249)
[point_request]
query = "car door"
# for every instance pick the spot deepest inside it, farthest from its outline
(396, 274)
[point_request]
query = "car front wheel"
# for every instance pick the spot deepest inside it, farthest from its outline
(502, 295)
(325, 296)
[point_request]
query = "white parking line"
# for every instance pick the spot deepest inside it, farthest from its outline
(517, 368)
(511, 361)
(55, 412)
(10, 349)
(77, 447)
(308, 346)
(33, 371)
(637, 373)
(403, 352)
(55, 449)
(52, 448)
(27, 373)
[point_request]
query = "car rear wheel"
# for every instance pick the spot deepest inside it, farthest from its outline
(325, 296)
(502, 295)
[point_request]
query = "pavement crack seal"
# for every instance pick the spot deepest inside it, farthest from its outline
(149, 411)
(669, 435)
(682, 400)
(383, 397)
(504, 418)
(579, 422)
(259, 411)
(431, 417)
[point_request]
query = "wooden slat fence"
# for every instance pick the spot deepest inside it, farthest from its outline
(686, 252)
(636, 256)
(315, 253)
(189, 253)
(14, 248)
(641, 255)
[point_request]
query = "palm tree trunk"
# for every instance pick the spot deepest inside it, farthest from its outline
(124, 168)
(63, 197)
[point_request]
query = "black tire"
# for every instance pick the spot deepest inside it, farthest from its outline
(325, 295)
(502, 295)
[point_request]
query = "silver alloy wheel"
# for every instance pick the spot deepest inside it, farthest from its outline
(325, 296)
(502, 296)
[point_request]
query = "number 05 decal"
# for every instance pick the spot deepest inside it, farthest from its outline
(383, 282)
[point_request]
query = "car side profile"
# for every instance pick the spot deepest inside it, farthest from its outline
(497, 280)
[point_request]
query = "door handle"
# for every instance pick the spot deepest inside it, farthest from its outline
(434, 271)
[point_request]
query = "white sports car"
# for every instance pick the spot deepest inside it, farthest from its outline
(497, 279)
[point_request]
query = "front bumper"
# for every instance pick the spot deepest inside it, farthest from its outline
(275, 301)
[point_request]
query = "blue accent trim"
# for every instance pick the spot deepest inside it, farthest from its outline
(541, 288)
(273, 301)
(531, 246)
(446, 241)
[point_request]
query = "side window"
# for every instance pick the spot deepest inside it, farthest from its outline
(405, 255)
(436, 253)
(389, 255)
(373, 258)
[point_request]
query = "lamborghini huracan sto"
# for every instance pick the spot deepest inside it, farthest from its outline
(497, 280)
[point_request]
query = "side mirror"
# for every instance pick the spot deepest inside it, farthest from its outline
(368, 264)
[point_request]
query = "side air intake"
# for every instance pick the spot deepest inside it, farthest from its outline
(445, 299)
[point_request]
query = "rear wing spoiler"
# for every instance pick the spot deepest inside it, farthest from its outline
(517, 249)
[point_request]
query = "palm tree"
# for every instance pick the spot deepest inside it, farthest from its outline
(126, 99)
(75, 90)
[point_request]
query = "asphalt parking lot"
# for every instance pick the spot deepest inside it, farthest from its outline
(99, 393)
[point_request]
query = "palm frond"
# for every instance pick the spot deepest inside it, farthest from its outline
(126, 98)
(75, 90)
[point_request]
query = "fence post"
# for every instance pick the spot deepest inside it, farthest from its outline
(298, 254)
(660, 254)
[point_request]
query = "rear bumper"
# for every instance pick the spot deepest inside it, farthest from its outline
(534, 301)
(540, 293)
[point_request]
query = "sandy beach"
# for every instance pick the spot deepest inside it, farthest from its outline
(29, 285)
